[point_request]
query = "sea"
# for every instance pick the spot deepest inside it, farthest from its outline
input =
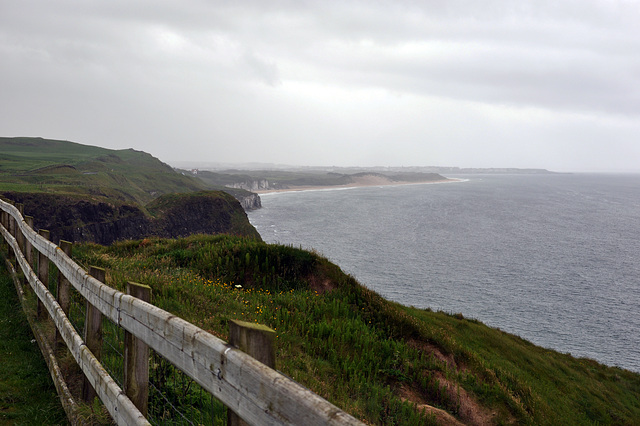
(552, 258)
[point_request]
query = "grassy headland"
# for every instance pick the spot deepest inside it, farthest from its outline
(62, 167)
(380, 361)
(278, 180)
(88, 193)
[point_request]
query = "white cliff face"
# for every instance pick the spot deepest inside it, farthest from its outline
(254, 185)
(250, 202)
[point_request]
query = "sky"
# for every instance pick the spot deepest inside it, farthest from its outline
(549, 84)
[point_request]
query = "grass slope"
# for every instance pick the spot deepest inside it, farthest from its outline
(27, 394)
(380, 361)
(44, 165)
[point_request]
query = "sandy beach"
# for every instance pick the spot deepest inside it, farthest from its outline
(359, 182)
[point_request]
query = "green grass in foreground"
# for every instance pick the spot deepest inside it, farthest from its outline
(27, 394)
(380, 361)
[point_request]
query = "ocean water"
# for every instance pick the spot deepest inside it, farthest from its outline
(554, 259)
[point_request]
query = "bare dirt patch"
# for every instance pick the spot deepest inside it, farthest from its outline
(470, 411)
(432, 349)
(441, 416)
(320, 284)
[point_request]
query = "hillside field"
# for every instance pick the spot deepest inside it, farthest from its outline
(382, 362)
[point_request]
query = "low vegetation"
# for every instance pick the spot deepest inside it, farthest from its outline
(27, 394)
(380, 361)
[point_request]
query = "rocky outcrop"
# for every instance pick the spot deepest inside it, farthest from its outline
(250, 201)
(204, 212)
(174, 215)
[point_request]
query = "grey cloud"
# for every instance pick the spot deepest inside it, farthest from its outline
(163, 68)
(264, 69)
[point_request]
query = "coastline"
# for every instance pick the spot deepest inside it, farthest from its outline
(369, 181)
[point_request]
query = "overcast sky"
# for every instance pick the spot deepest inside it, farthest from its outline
(544, 83)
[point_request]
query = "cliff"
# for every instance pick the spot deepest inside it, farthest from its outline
(250, 202)
(253, 185)
(77, 219)
(203, 212)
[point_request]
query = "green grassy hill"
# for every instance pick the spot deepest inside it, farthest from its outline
(44, 165)
(380, 361)
(87, 193)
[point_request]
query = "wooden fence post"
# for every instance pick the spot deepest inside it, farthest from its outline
(3, 221)
(43, 274)
(256, 340)
(11, 227)
(136, 358)
(93, 334)
(28, 248)
(63, 295)
(19, 236)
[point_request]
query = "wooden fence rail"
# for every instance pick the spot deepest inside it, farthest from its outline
(257, 393)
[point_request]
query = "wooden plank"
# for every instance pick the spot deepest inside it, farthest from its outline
(93, 334)
(11, 227)
(3, 220)
(119, 406)
(18, 233)
(28, 248)
(11, 223)
(63, 295)
(68, 402)
(43, 274)
(136, 357)
(258, 393)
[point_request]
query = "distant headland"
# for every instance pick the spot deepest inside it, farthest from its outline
(266, 178)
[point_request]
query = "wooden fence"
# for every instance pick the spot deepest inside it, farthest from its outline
(256, 393)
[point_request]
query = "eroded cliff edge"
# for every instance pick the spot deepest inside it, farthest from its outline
(78, 219)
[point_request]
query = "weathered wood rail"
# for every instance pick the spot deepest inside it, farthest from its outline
(256, 393)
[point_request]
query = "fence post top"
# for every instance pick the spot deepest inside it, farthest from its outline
(141, 291)
(134, 284)
(252, 325)
(98, 273)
